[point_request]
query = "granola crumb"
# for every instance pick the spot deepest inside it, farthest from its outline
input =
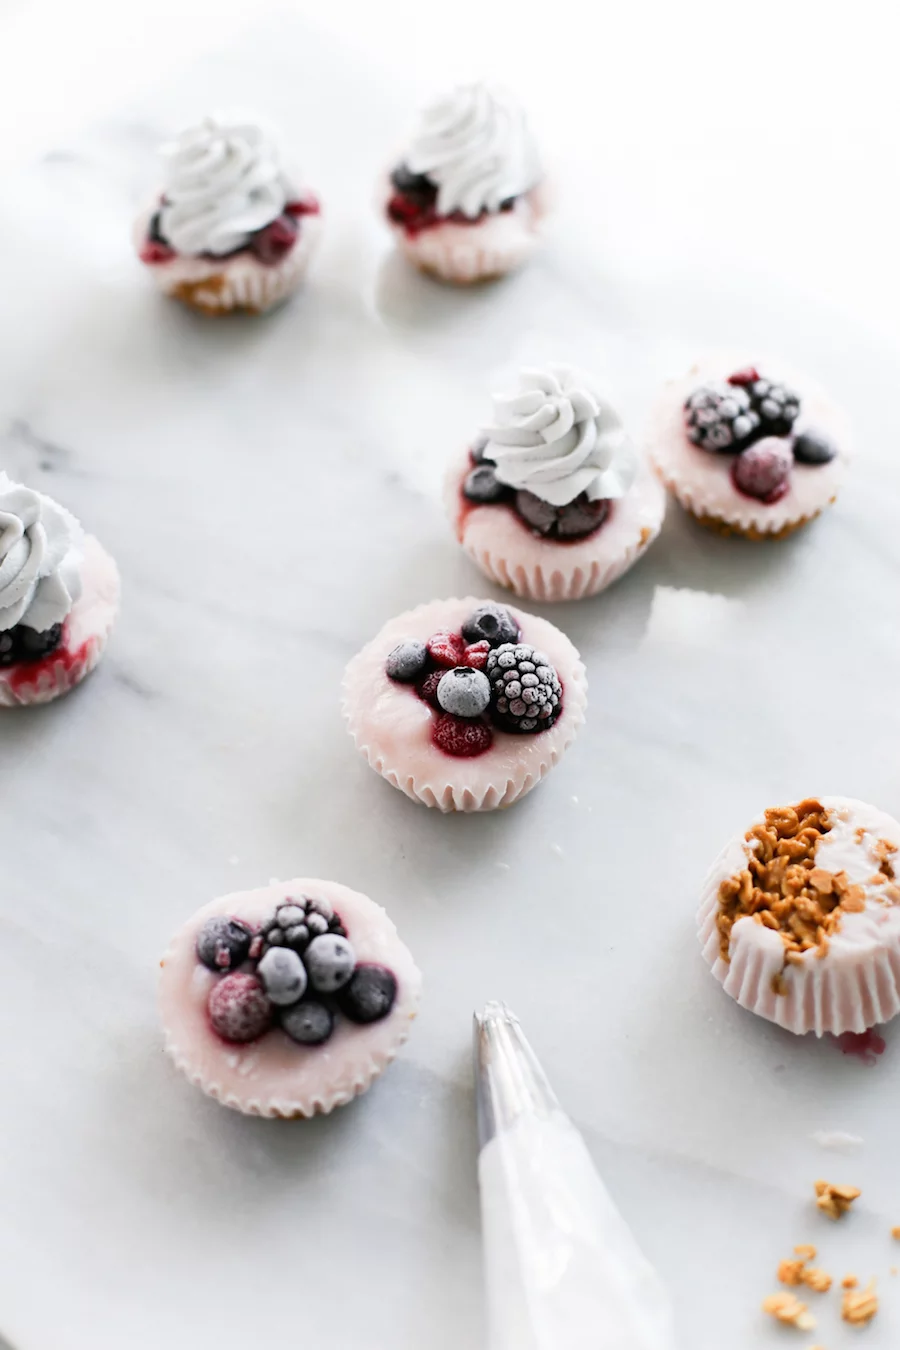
(859, 1308)
(782, 888)
(895, 1233)
(787, 1308)
(849, 1282)
(817, 1280)
(791, 1272)
(835, 1200)
(806, 1251)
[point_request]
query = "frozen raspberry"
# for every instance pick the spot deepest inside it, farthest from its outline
(152, 252)
(271, 244)
(461, 738)
(307, 205)
(476, 654)
(238, 1008)
(427, 688)
(749, 375)
(447, 649)
(763, 470)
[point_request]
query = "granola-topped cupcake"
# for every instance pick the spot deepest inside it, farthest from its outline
(289, 1000)
(464, 704)
(800, 918)
(551, 499)
(747, 449)
(231, 229)
(465, 201)
(59, 595)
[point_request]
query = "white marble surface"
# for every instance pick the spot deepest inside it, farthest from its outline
(270, 490)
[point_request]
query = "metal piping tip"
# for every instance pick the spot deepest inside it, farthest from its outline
(509, 1081)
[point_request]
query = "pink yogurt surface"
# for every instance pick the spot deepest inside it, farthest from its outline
(392, 726)
(275, 1076)
(702, 481)
(504, 547)
(84, 636)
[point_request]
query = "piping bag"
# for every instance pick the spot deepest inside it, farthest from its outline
(562, 1269)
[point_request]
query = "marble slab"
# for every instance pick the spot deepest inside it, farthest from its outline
(271, 491)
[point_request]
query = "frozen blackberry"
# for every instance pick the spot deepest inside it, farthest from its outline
(776, 406)
(23, 644)
(297, 922)
(490, 623)
(223, 943)
(720, 417)
(526, 694)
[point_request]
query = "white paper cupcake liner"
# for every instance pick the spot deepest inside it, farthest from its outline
(701, 481)
(84, 641)
(467, 254)
(507, 551)
(241, 282)
(857, 984)
(391, 726)
(274, 1077)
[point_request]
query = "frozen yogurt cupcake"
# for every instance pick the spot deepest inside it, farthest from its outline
(59, 594)
(465, 201)
(551, 499)
(465, 704)
(800, 918)
(289, 1000)
(231, 228)
(746, 450)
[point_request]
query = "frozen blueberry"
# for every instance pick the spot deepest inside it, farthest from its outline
(238, 1008)
(308, 1023)
(490, 623)
(483, 485)
(478, 447)
(415, 187)
(223, 943)
(329, 962)
(814, 447)
(283, 976)
(464, 692)
(407, 661)
(370, 994)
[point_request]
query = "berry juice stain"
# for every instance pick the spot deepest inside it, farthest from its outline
(865, 1045)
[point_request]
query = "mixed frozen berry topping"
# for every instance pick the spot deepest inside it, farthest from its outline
(753, 418)
(268, 245)
(298, 971)
(576, 520)
(479, 679)
(413, 203)
(24, 645)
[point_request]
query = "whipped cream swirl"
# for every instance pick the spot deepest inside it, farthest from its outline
(40, 558)
(556, 438)
(222, 182)
(476, 146)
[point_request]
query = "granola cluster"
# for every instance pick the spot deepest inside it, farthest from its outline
(783, 889)
(835, 1200)
(860, 1307)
